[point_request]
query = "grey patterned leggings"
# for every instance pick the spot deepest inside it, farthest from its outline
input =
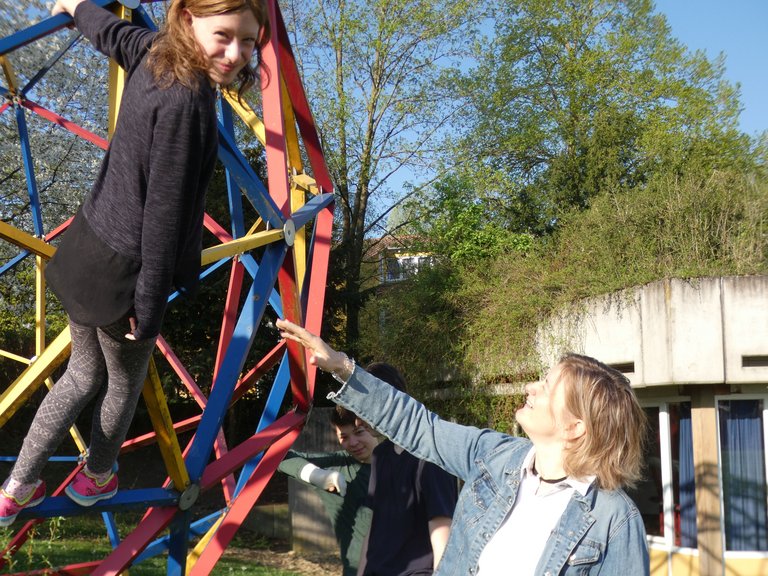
(104, 362)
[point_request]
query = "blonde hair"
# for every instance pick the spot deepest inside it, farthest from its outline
(175, 55)
(615, 424)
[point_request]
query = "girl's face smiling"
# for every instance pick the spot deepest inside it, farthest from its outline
(227, 40)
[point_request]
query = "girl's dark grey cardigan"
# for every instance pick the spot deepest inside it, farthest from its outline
(148, 201)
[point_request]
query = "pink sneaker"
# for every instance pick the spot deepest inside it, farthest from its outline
(86, 490)
(10, 506)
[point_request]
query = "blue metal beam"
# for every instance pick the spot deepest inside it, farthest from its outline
(141, 499)
(247, 179)
(13, 261)
(41, 29)
(268, 416)
(311, 209)
(112, 531)
(196, 529)
(234, 359)
(178, 544)
(233, 190)
(74, 37)
(29, 171)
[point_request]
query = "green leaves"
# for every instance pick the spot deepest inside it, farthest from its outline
(576, 99)
(602, 154)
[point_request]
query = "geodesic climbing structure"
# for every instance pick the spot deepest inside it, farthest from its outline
(278, 261)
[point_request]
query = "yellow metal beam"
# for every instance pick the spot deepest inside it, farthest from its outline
(167, 441)
(291, 135)
(247, 115)
(25, 241)
(117, 76)
(300, 240)
(10, 75)
(257, 226)
(39, 305)
(194, 555)
(305, 182)
(16, 357)
(240, 245)
(34, 375)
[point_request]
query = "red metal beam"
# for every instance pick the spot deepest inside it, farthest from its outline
(301, 108)
(242, 505)
(155, 521)
(66, 124)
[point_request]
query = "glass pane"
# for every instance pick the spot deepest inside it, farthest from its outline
(742, 457)
(684, 475)
(648, 495)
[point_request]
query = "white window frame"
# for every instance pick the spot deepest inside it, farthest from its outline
(409, 264)
(764, 397)
(666, 542)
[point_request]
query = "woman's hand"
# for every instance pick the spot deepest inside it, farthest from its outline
(322, 355)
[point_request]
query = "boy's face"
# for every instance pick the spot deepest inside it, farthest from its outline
(357, 440)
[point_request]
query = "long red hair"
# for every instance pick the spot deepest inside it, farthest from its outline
(175, 55)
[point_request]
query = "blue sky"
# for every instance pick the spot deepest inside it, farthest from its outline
(737, 28)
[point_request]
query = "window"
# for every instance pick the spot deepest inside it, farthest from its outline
(742, 429)
(397, 267)
(666, 495)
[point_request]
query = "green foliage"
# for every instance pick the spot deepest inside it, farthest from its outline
(452, 222)
(478, 322)
(575, 99)
(602, 155)
(375, 74)
(416, 325)
(54, 553)
(674, 227)
(64, 541)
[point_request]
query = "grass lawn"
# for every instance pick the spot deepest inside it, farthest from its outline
(61, 542)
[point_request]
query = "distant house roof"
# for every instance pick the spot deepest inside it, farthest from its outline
(391, 243)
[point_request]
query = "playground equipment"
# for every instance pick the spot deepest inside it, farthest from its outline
(281, 261)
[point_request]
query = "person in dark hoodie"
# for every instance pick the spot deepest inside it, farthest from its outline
(412, 501)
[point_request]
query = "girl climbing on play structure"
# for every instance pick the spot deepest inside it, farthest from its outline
(139, 232)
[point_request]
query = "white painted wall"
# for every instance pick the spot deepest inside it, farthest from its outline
(674, 331)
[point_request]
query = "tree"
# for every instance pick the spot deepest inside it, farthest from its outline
(376, 74)
(74, 86)
(619, 154)
(452, 222)
(580, 97)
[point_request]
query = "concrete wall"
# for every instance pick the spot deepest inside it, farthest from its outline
(681, 340)
(705, 331)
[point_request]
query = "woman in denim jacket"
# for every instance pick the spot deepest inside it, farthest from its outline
(551, 505)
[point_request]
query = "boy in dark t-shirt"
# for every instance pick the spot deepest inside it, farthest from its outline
(413, 503)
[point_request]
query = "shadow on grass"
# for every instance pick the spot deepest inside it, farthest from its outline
(64, 541)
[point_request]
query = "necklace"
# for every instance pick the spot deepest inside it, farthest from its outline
(548, 480)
